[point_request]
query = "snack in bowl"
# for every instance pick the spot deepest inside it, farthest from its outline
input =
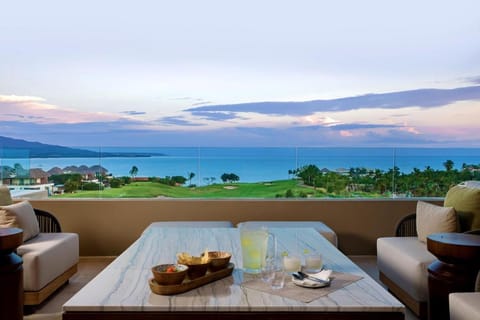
(169, 274)
(218, 259)
(197, 266)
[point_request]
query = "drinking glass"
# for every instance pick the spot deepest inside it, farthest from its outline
(268, 266)
(313, 262)
(278, 276)
(268, 271)
(292, 263)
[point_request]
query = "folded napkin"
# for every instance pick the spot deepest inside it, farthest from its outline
(322, 275)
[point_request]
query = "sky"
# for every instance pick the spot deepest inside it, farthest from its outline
(241, 73)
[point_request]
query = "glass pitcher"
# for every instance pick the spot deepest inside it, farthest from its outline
(256, 243)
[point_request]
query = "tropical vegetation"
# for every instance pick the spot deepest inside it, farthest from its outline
(307, 182)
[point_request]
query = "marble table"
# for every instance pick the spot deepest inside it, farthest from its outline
(121, 290)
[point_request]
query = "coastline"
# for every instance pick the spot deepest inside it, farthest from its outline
(254, 164)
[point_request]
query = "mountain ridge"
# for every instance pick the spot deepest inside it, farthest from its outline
(15, 148)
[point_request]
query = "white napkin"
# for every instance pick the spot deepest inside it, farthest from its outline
(322, 275)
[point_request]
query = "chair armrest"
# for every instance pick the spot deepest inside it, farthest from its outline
(407, 227)
(47, 221)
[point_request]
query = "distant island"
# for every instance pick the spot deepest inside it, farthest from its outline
(11, 148)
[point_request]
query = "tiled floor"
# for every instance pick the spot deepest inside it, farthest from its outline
(89, 267)
(369, 265)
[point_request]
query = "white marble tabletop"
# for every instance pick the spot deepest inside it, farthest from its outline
(123, 285)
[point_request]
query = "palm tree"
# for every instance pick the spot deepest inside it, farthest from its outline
(133, 172)
(448, 165)
(190, 177)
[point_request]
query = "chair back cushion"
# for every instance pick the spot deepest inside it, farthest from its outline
(5, 196)
(434, 219)
(466, 201)
(20, 215)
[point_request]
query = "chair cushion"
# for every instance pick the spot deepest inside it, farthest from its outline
(464, 305)
(434, 219)
(20, 215)
(466, 202)
(193, 224)
(321, 227)
(405, 260)
(190, 224)
(47, 256)
(5, 196)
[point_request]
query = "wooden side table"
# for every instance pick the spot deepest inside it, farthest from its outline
(455, 270)
(11, 274)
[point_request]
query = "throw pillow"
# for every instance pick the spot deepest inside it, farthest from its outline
(466, 202)
(434, 219)
(20, 215)
(5, 196)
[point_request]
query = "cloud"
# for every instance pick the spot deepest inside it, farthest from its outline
(216, 116)
(133, 113)
(32, 118)
(28, 108)
(424, 98)
(202, 103)
(475, 80)
(19, 99)
(346, 133)
(195, 101)
(358, 126)
(182, 98)
(178, 121)
(131, 133)
(23, 116)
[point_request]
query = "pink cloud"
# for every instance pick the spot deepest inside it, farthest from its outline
(19, 99)
(36, 109)
(411, 130)
(346, 133)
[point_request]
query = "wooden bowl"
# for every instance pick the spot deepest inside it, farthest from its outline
(164, 277)
(218, 260)
(197, 270)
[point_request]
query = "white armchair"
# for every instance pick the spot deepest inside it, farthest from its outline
(50, 257)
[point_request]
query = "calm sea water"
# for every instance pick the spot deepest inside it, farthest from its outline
(258, 164)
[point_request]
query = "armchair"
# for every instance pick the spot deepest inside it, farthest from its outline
(50, 256)
(407, 226)
(47, 221)
(403, 260)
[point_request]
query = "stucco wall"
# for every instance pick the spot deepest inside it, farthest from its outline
(107, 227)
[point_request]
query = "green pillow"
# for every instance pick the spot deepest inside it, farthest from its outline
(466, 202)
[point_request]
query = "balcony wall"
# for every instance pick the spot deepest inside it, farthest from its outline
(107, 227)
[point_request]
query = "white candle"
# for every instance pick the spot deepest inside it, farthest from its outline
(291, 263)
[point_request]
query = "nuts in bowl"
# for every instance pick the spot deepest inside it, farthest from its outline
(169, 274)
(218, 259)
(197, 266)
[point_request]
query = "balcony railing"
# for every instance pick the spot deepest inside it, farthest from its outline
(241, 172)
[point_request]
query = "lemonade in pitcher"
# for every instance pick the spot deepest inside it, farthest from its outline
(254, 243)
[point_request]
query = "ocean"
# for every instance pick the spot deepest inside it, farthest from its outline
(258, 164)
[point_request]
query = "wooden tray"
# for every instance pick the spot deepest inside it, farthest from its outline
(188, 284)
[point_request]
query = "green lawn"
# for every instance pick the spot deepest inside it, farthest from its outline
(261, 190)
(237, 190)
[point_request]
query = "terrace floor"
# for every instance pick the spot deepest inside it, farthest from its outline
(89, 267)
